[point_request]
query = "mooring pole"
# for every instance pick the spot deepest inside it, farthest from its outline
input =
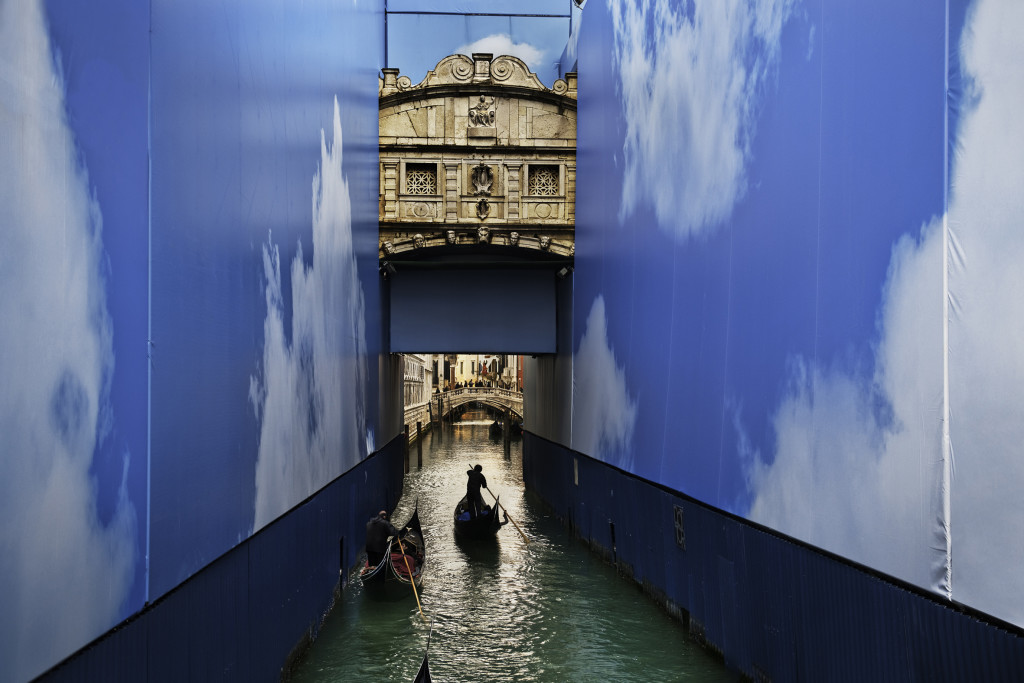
(406, 449)
(419, 445)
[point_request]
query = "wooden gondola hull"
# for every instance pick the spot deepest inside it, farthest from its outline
(484, 525)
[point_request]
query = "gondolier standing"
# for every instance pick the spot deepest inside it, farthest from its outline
(473, 497)
(377, 531)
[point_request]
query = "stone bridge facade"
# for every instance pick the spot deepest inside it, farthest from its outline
(442, 404)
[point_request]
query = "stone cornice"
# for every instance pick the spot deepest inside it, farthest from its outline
(461, 238)
(506, 73)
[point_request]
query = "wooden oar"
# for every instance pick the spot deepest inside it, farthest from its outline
(509, 516)
(412, 579)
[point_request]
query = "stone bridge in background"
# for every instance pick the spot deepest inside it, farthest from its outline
(444, 404)
(505, 400)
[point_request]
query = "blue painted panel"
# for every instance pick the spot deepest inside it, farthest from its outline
(501, 310)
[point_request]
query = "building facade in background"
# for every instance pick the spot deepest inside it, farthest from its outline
(479, 153)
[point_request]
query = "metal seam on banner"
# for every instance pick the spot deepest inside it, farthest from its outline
(945, 583)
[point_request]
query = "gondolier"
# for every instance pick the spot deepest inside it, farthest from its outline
(473, 484)
(378, 530)
(400, 571)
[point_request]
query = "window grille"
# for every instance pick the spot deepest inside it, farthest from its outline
(543, 181)
(421, 179)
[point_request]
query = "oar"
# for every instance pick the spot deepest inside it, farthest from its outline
(412, 579)
(509, 517)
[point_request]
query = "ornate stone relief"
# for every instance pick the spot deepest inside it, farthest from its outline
(545, 242)
(482, 209)
(451, 237)
(544, 210)
(483, 234)
(514, 238)
(483, 179)
(419, 210)
(418, 241)
(482, 113)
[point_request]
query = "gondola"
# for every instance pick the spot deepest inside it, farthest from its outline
(423, 675)
(484, 525)
(391, 578)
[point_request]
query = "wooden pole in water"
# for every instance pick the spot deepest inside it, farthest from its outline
(419, 444)
(440, 417)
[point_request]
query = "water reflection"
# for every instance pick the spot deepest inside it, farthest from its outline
(503, 610)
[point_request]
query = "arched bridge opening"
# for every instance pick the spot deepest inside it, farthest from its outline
(505, 401)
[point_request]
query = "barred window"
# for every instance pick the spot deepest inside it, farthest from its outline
(421, 179)
(543, 181)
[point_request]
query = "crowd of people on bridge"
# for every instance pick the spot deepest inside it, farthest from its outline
(448, 386)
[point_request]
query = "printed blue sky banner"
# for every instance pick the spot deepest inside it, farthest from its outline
(190, 292)
(798, 277)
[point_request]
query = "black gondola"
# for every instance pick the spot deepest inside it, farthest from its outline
(406, 555)
(484, 525)
(423, 675)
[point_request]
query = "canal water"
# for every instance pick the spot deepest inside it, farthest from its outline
(547, 610)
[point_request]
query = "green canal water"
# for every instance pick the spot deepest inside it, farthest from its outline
(547, 610)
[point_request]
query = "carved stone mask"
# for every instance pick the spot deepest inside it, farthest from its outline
(514, 239)
(545, 242)
(451, 237)
(483, 233)
(418, 240)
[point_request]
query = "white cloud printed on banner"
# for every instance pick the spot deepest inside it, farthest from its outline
(64, 573)
(603, 414)
(501, 44)
(986, 218)
(702, 72)
(309, 395)
(843, 480)
(857, 466)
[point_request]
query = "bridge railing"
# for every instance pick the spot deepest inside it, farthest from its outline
(443, 402)
(494, 391)
(427, 411)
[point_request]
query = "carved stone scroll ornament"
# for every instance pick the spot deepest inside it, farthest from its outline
(482, 209)
(482, 113)
(483, 179)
